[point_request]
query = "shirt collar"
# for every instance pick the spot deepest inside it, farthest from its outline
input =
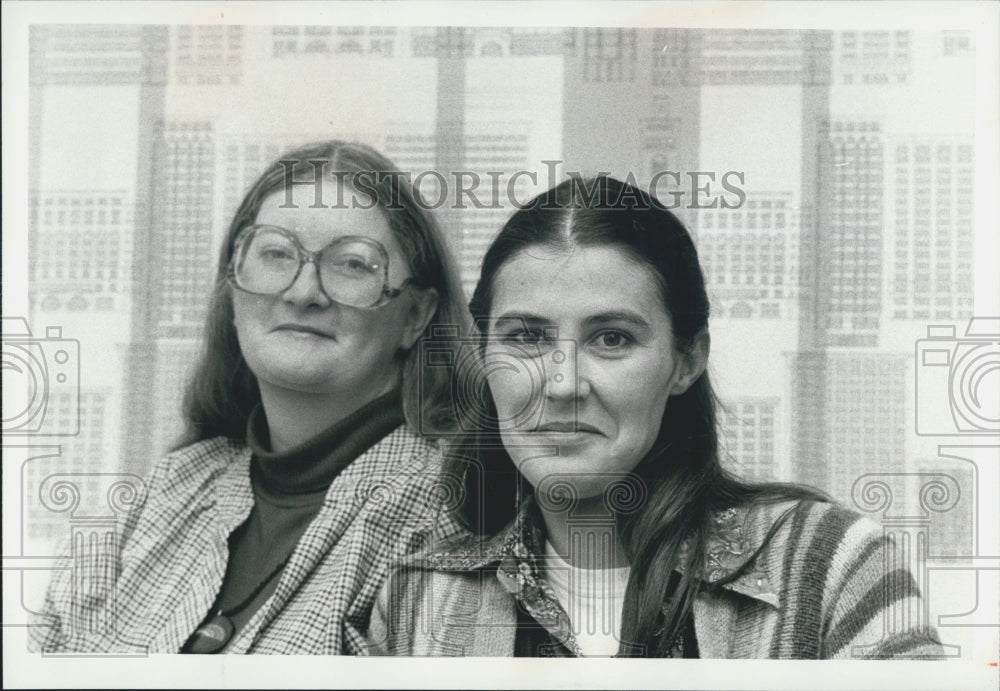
(729, 548)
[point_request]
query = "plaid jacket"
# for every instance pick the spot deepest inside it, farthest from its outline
(147, 591)
(823, 587)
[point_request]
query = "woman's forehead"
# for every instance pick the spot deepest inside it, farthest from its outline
(571, 284)
(319, 217)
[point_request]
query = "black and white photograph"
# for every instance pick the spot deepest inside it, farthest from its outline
(416, 344)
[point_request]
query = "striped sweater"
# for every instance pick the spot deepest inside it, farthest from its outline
(825, 586)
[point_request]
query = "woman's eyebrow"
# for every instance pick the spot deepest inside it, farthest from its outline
(525, 318)
(618, 316)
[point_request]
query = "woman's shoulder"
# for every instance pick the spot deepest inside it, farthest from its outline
(212, 450)
(810, 528)
(797, 546)
(406, 438)
(806, 519)
(198, 464)
(405, 449)
(833, 570)
(207, 453)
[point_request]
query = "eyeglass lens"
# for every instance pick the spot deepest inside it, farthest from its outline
(352, 272)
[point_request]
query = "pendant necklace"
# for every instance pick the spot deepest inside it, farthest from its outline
(215, 634)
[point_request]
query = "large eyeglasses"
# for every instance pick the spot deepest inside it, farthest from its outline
(352, 270)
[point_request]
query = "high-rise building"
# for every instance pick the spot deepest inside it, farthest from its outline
(90, 210)
(850, 227)
(81, 251)
(331, 41)
(931, 228)
(451, 46)
(763, 95)
(866, 420)
(240, 161)
(97, 55)
(500, 152)
(750, 257)
(182, 251)
(873, 58)
(207, 55)
(749, 439)
(952, 532)
(536, 42)
(487, 163)
(182, 268)
(744, 57)
(655, 71)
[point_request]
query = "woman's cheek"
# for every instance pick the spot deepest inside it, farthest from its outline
(515, 396)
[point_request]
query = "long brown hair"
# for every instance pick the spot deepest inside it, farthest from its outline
(223, 391)
(683, 477)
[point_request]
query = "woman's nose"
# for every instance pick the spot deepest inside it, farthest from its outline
(563, 378)
(307, 290)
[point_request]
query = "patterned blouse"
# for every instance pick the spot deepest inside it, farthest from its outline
(544, 628)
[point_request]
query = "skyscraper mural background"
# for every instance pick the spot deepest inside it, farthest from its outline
(845, 232)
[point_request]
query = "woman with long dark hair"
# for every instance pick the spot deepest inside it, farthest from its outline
(305, 469)
(601, 520)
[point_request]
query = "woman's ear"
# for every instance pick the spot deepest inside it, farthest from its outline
(423, 304)
(692, 364)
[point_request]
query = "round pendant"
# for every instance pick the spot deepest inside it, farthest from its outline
(213, 636)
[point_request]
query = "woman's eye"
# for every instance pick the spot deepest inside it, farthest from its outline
(526, 336)
(355, 265)
(613, 340)
(526, 342)
(275, 253)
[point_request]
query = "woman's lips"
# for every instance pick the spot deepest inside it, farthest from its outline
(568, 434)
(303, 329)
(566, 427)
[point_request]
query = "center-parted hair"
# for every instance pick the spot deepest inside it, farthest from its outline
(223, 391)
(684, 481)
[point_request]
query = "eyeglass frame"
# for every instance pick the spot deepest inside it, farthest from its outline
(308, 256)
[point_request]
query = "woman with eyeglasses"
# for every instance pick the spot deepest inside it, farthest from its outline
(600, 519)
(306, 469)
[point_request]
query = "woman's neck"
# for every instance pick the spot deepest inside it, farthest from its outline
(294, 417)
(586, 536)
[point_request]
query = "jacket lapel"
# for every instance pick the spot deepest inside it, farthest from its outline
(204, 561)
(344, 502)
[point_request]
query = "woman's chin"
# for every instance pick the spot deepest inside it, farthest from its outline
(573, 481)
(301, 382)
